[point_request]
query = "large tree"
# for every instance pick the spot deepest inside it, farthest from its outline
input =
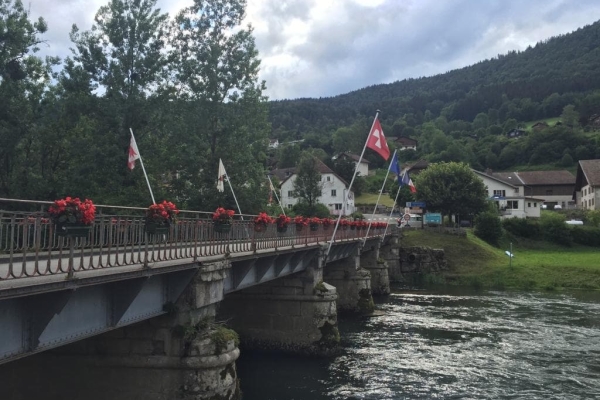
(308, 186)
(24, 78)
(215, 71)
(451, 188)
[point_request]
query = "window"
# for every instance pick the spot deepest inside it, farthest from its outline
(584, 192)
(338, 206)
(512, 204)
(516, 190)
(534, 205)
(501, 193)
(290, 193)
(529, 205)
(290, 206)
(333, 193)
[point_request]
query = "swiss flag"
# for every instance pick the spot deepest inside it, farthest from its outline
(376, 141)
(134, 153)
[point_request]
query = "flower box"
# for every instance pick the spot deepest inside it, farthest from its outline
(72, 217)
(313, 226)
(283, 229)
(72, 229)
(221, 227)
(157, 228)
(260, 227)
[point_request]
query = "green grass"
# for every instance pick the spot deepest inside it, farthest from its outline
(536, 265)
(549, 121)
(371, 198)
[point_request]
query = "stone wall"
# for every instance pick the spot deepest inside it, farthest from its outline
(417, 260)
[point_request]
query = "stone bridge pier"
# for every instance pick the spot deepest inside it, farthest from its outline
(180, 355)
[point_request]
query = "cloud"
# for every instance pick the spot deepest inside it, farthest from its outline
(315, 48)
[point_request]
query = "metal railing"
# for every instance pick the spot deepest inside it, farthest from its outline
(31, 246)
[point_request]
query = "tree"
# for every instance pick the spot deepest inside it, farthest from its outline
(569, 116)
(451, 188)
(307, 185)
(215, 71)
(24, 78)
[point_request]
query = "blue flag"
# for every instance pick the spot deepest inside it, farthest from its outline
(395, 168)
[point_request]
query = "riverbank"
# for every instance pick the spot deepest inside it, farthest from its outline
(535, 265)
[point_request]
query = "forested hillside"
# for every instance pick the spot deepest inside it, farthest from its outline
(463, 115)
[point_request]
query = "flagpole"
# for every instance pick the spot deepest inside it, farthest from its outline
(142, 164)
(337, 223)
(234, 198)
(379, 197)
(272, 188)
(395, 200)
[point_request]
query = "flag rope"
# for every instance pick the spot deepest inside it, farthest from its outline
(272, 188)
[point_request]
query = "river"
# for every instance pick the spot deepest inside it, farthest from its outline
(448, 344)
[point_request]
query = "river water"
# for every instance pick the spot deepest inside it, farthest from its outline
(448, 344)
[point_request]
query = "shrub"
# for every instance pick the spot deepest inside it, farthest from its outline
(554, 228)
(522, 227)
(488, 227)
(586, 235)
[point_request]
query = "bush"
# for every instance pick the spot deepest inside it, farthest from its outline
(317, 210)
(554, 228)
(522, 227)
(586, 235)
(488, 227)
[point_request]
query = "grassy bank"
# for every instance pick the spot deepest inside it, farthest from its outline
(536, 265)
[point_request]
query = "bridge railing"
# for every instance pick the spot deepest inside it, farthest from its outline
(30, 245)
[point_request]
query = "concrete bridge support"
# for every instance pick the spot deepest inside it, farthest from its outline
(182, 355)
(353, 284)
(371, 261)
(294, 314)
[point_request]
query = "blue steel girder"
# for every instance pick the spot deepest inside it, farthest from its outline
(341, 251)
(256, 270)
(31, 324)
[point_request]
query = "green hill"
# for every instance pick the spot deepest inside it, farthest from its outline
(536, 265)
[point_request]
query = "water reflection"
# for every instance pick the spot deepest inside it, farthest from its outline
(450, 344)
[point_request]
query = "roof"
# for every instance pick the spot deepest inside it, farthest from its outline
(591, 171)
(354, 157)
(494, 178)
(533, 178)
(419, 165)
(284, 174)
(405, 140)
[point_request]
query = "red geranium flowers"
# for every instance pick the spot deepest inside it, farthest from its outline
(73, 210)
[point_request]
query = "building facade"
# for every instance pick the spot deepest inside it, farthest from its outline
(334, 190)
(510, 199)
(587, 185)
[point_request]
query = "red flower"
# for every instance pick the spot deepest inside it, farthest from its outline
(300, 220)
(162, 212)
(223, 216)
(263, 218)
(73, 210)
(283, 221)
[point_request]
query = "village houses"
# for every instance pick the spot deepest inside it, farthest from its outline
(587, 185)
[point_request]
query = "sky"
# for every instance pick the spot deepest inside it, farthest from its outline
(322, 48)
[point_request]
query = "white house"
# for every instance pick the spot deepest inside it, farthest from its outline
(273, 143)
(510, 201)
(335, 189)
(587, 185)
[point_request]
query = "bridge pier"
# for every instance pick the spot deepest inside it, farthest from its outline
(294, 314)
(182, 355)
(378, 268)
(353, 284)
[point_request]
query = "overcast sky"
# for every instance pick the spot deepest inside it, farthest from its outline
(321, 48)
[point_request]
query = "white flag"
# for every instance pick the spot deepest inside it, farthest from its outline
(134, 153)
(222, 174)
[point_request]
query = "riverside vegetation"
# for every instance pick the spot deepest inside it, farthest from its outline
(537, 264)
